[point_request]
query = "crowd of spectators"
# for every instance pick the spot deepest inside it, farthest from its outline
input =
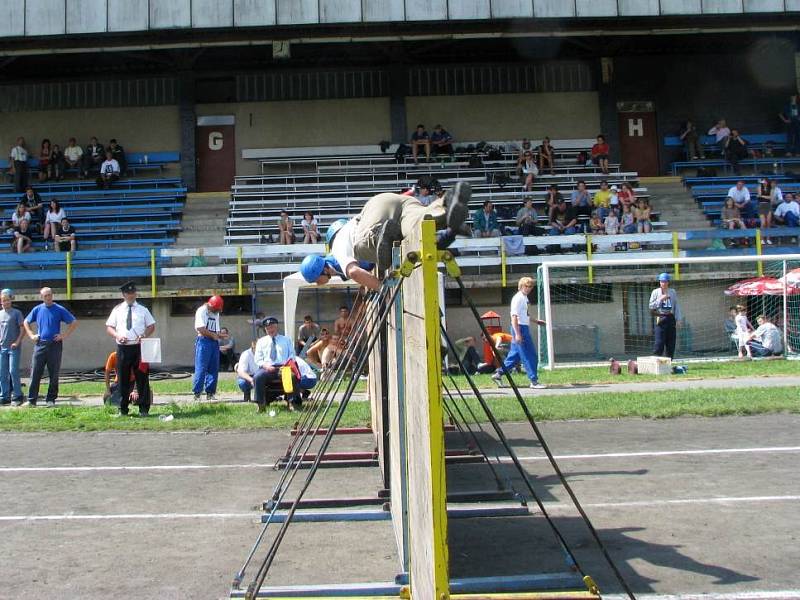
(108, 163)
(768, 209)
(30, 218)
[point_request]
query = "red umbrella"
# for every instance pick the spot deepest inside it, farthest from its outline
(757, 286)
(792, 279)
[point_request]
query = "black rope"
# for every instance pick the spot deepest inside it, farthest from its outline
(546, 447)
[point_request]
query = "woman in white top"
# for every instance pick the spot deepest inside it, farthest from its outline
(20, 214)
(53, 219)
(310, 232)
(285, 229)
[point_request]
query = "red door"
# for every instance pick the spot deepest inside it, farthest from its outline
(639, 141)
(216, 153)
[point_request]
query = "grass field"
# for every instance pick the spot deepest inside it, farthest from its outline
(602, 405)
(586, 375)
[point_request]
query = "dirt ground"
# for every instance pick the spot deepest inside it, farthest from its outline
(684, 506)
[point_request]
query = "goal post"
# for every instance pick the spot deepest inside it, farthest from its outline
(598, 309)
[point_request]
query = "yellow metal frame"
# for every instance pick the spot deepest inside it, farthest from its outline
(759, 251)
(69, 275)
(589, 256)
(675, 253)
(239, 269)
(502, 263)
(153, 289)
(430, 279)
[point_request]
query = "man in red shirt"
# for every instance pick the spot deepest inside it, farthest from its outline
(111, 395)
(600, 153)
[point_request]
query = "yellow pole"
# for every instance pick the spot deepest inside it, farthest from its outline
(153, 272)
(502, 263)
(589, 256)
(239, 268)
(430, 279)
(676, 254)
(69, 275)
(759, 251)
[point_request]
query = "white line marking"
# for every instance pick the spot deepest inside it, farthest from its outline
(653, 454)
(551, 507)
(779, 595)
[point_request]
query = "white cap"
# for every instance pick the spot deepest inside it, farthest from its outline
(614, 188)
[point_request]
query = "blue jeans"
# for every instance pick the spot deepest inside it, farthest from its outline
(567, 231)
(9, 367)
(45, 354)
(244, 385)
(524, 353)
(206, 365)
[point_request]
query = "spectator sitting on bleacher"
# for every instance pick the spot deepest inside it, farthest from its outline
(73, 155)
(735, 149)
(118, 154)
(627, 196)
(546, 155)
(64, 237)
(22, 237)
(420, 137)
(285, 229)
(109, 171)
(596, 224)
(613, 200)
(791, 117)
(45, 150)
(53, 218)
(741, 197)
(731, 217)
(553, 197)
(581, 201)
(33, 203)
(600, 153)
(611, 222)
(441, 141)
(18, 165)
(93, 157)
(641, 213)
(57, 162)
(527, 218)
(563, 220)
(720, 131)
(423, 190)
(602, 199)
(484, 221)
(787, 213)
(527, 169)
(310, 231)
(20, 214)
(627, 220)
(691, 141)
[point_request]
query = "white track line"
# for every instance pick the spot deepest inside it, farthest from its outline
(551, 507)
(654, 454)
(779, 595)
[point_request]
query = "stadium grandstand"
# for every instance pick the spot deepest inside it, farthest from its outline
(231, 113)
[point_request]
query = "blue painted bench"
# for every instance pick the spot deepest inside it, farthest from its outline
(85, 184)
(137, 161)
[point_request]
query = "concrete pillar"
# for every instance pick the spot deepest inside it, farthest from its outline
(607, 98)
(398, 88)
(188, 121)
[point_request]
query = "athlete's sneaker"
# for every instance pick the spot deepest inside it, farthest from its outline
(211, 398)
(389, 234)
(198, 397)
(51, 404)
(457, 203)
(16, 402)
(29, 404)
(497, 378)
(537, 386)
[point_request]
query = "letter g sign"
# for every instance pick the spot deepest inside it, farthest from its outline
(215, 140)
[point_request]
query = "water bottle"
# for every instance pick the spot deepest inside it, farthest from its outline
(775, 167)
(146, 158)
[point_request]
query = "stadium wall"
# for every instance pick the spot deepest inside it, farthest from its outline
(139, 129)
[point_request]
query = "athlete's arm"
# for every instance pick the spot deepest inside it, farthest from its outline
(363, 277)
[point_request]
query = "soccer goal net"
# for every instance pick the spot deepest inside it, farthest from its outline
(596, 310)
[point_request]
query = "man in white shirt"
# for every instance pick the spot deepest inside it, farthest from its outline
(206, 348)
(128, 323)
(741, 197)
(271, 353)
(109, 171)
(73, 156)
(19, 165)
(246, 370)
(787, 213)
(522, 348)
(766, 339)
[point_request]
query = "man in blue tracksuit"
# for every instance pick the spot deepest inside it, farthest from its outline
(206, 348)
(667, 312)
(523, 349)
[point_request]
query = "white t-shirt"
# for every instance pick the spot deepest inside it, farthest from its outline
(109, 166)
(141, 319)
(787, 207)
(18, 153)
(15, 218)
(305, 370)
(719, 133)
(205, 318)
(307, 225)
(247, 362)
(342, 248)
(519, 307)
(55, 217)
(770, 337)
(73, 153)
(738, 195)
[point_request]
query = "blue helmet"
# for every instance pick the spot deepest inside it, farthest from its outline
(312, 267)
(664, 277)
(334, 229)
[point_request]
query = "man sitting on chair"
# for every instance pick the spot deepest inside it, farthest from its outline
(272, 352)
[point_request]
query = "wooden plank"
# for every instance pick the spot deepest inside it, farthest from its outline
(427, 489)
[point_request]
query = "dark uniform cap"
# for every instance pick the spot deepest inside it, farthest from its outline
(269, 321)
(128, 288)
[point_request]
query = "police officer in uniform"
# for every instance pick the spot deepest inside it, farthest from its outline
(128, 323)
(667, 312)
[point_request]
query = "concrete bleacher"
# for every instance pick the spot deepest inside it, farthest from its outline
(756, 143)
(136, 162)
(348, 181)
